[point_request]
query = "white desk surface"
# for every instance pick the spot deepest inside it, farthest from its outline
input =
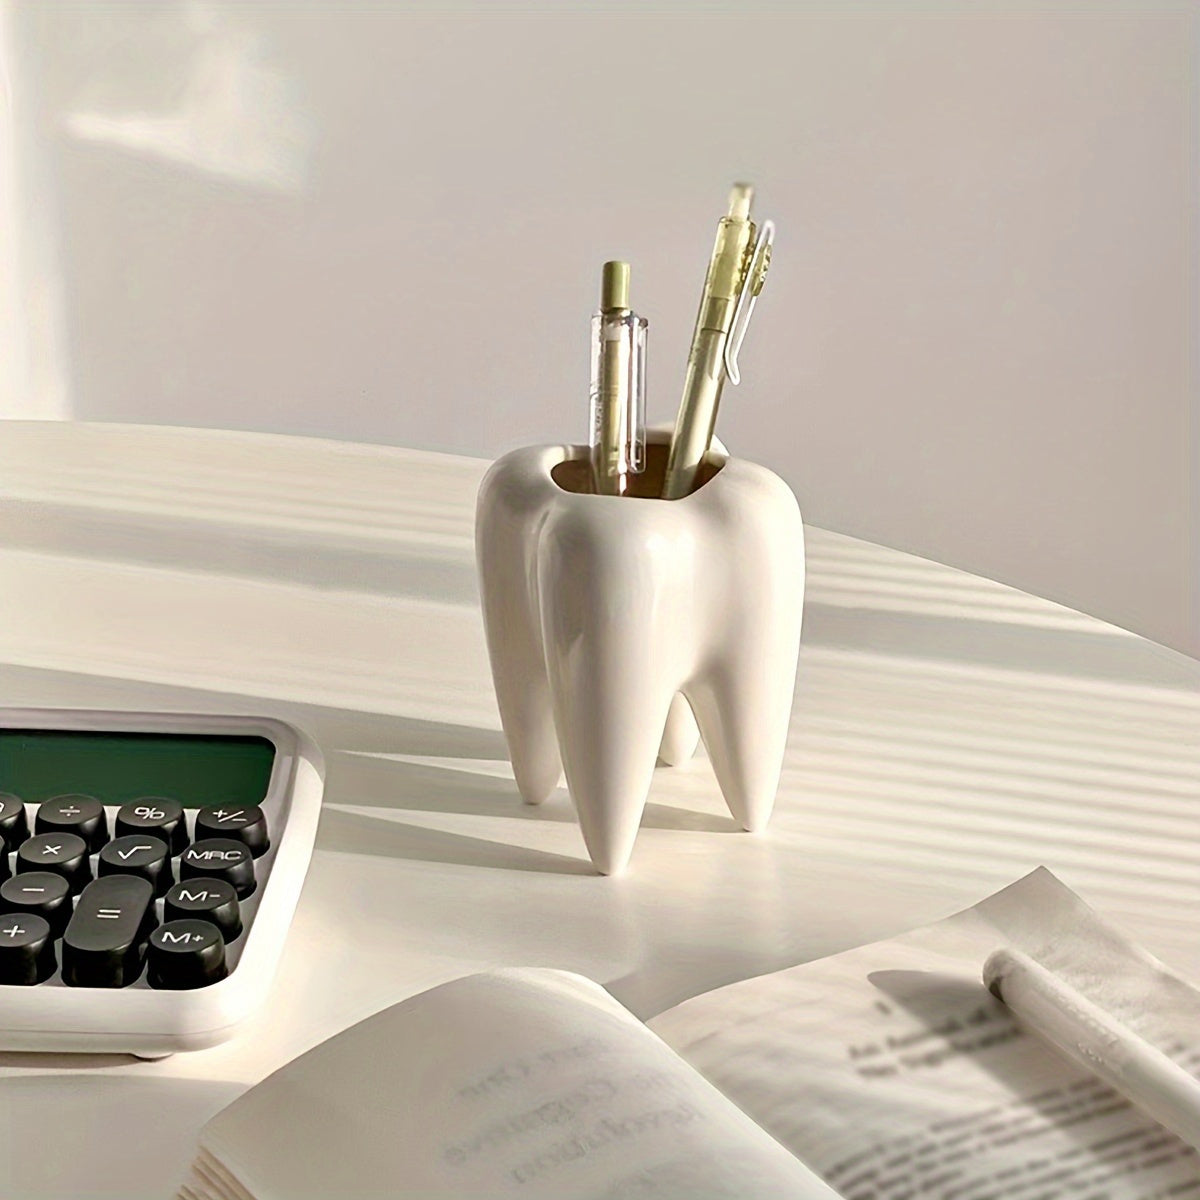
(948, 735)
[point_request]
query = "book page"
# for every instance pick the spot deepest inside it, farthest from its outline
(895, 1074)
(531, 1084)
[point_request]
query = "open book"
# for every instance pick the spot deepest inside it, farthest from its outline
(884, 1073)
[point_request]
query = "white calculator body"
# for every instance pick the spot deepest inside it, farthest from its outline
(247, 791)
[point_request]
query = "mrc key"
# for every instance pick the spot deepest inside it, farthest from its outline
(220, 858)
(104, 940)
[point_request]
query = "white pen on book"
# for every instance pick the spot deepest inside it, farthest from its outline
(1083, 1031)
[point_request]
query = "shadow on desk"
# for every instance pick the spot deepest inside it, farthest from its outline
(391, 784)
(354, 833)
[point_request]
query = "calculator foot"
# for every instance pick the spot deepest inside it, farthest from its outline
(153, 1055)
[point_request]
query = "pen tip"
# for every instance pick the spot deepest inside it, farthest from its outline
(614, 286)
(994, 970)
(740, 196)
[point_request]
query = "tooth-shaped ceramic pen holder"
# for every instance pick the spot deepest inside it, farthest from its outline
(610, 620)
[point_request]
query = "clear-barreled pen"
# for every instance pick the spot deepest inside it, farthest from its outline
(618, 391)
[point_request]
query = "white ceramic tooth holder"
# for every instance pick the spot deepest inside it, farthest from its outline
(611, 619)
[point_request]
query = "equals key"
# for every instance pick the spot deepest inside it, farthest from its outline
(104, 941)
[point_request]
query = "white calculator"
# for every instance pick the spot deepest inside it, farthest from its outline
(149, 870)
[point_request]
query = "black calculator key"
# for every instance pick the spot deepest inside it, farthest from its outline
(26, 949)
(65, 854)
(102, 946)
(5, 869)
(14, 824)
(220, 858)
(138, 854)
(243, 823)
(40, 892)
(185, 954)
(212, 900)
(157, 815)
(83, 815)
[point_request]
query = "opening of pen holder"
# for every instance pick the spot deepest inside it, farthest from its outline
(610, 620)
(574, 473)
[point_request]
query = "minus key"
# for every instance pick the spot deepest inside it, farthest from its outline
(41, 893)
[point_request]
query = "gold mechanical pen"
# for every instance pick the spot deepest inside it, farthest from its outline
(736, 272)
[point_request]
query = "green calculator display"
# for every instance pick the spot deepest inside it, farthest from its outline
(196, 770)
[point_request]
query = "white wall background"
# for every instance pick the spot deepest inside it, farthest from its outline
(385, 222)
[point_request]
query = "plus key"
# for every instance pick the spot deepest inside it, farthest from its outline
(26, 949)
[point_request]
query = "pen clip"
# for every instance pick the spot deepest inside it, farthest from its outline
(746, 300)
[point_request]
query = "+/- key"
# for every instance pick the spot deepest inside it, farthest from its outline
(138, 854)
(243, 823)
(82, 815)
(220, 858)
(65, 854)
(104, 940)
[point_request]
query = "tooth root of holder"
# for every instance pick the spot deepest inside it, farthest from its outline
(604, 613)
